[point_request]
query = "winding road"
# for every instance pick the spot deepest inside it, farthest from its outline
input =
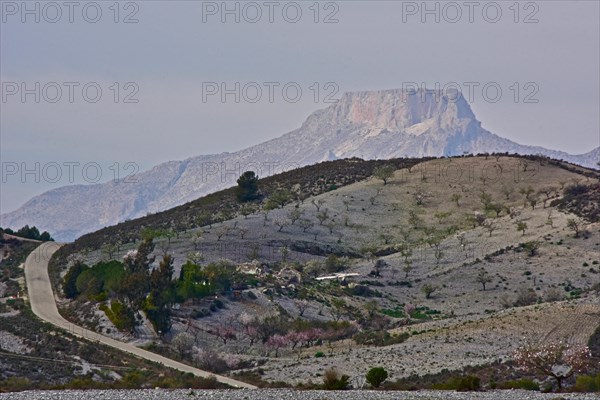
(43, 305)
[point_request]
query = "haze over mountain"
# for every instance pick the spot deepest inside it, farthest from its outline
(369, 125)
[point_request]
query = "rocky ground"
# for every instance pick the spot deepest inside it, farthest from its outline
(287, 394)
(469, 324)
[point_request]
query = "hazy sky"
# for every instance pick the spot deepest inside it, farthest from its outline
(168, 54)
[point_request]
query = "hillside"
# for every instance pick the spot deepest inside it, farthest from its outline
(460, 260)
(36, 355)
(369, 125)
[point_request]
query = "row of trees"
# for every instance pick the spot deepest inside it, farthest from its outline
(28, 232)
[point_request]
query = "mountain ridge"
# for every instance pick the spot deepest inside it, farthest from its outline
(370, 125)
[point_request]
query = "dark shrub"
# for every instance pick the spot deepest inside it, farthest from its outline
(376, 376)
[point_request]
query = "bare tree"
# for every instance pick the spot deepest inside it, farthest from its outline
(490, 227)
(305, 224)
(338, 309)
(195, 257)
(302, 306)
(574, 225)
(281, 223)
(548, 191)
(265, 212)
(533, 200)
(527, 192)
(330, 224)
(197, 239)
(483, 277)
(295, 215)
(222, 231)
(183, 343)
(322, 216)
(224, 332)
(318, 203)
(428, 289)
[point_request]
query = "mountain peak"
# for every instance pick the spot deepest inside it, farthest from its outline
(397, 109)
(370, 125)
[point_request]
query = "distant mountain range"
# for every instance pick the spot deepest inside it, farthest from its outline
(370, 125)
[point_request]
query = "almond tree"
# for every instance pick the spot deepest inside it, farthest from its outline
(330, 225)
(295, 215)
(277, 342)
(318, 203)
(322, 216)
(527, 192)
(247, 209)
(224, 333)
(574, 225)
(197, 239)
(484, 278)
(302, 306)
(558, 360)
(428, 289)
(281, 223)
(222, 231)
(548, 191)
(384, 172)
(522, 226)
(305, 224)
(490, 226)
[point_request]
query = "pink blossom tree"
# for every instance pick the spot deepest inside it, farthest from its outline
(277, 342)
(225, 333)
(557, 360)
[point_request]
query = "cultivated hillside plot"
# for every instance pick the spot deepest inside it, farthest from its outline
(459, 260)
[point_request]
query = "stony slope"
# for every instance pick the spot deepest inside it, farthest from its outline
(471, 325)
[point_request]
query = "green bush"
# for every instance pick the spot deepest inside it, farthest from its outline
(120, 315)
(588, 383)
(525, 384)
(319, 354)
(69, 282)
(376, 376)
(15, 384)
(102, 277)
(247, 189)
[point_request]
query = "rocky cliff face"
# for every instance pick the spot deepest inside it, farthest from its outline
(369, 125)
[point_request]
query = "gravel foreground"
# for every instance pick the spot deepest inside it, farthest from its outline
(287, 395)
